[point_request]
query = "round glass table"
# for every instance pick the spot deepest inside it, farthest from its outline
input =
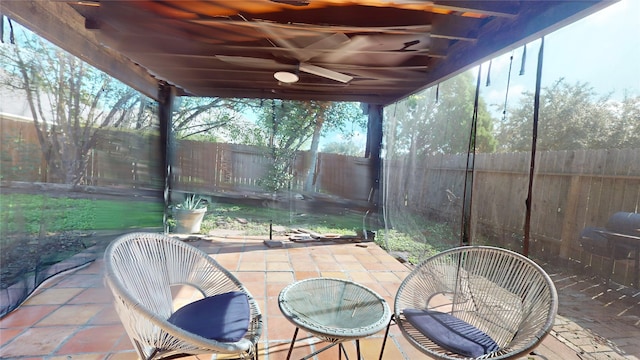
(333, 310)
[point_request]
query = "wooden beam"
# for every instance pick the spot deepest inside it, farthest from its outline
(64, 27)
(508, 9)
(289, 94)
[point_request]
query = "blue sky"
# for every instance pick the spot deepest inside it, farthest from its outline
(602, 49)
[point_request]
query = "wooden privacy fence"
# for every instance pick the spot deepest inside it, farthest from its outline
(216, 168)
(127, 159)
(572, 190)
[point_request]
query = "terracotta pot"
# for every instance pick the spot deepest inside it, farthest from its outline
(188, 221)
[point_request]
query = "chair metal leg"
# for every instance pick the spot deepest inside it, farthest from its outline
(386, 334)
(255, 356)
(293, 341)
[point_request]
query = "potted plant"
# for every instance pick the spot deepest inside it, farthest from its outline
(189, 214)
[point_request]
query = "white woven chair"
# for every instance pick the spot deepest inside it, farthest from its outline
(141, 269)
(476, 302)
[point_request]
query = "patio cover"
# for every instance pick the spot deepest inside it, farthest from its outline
(372, 51)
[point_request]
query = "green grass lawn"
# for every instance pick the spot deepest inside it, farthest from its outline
(258, 219)
(39, 214)
(30, 214)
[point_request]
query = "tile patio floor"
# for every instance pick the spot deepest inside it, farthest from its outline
(71, 317)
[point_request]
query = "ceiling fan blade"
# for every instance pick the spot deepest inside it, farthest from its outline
(260, 63)
(331, 42)
(329, 74)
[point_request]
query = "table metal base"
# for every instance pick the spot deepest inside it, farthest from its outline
(341, 349)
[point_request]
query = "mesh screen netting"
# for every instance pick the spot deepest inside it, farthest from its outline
(79, 163)
(584, 170)
(454, 166)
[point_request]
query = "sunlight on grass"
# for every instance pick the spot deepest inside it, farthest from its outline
(32, 213)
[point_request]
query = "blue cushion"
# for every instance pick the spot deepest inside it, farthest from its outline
(222, 317)
(451, 333)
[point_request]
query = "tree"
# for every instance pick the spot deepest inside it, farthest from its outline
(348, 148)
(195, 116)
(573, 117)
(427, 126)
(70, 102)
(625, 129)
(287, 126)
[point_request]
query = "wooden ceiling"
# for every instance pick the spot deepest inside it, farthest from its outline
(374, 51)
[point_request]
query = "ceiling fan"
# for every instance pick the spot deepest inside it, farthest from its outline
(288, 73)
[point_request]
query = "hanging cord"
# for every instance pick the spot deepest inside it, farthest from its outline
(524, 59)
(506, 95)
(437, 92)
(386, 176)
(468, 176)
(534, 142)
(489, 73)
(12, 38)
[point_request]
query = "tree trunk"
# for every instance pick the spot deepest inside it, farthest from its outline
(315, 142)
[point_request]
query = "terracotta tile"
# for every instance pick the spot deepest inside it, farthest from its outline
(272, 307)
(285, 277)
(235, 248)
(373, 266)
(129, 355)
(81, 281)
(36, 342)
(280, 329)
(352, 266)
(369, 266)
(7, 335)
(252, 266)
(246, 276)
(365, 258)
(361, 277)
(410, 351)
(278, 266)
(81, 357)
(328, 354)
(279, 350)
(230, 264)
(52, 296)
(301, 275)
(369, 349)
(254, 256)
(84, 341)
(273, 256)
(324, 258)
(304, 265)
(385, 276)
(553, 349)
(26, 315)
(232, 258)
(273, 290)
(344, 259)
(71, 315)
(391, 350)
(95, 267)
(123, 344)
(93, 296)
(106, 316)
(256, 288)
(328, 266)
(335, 274)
